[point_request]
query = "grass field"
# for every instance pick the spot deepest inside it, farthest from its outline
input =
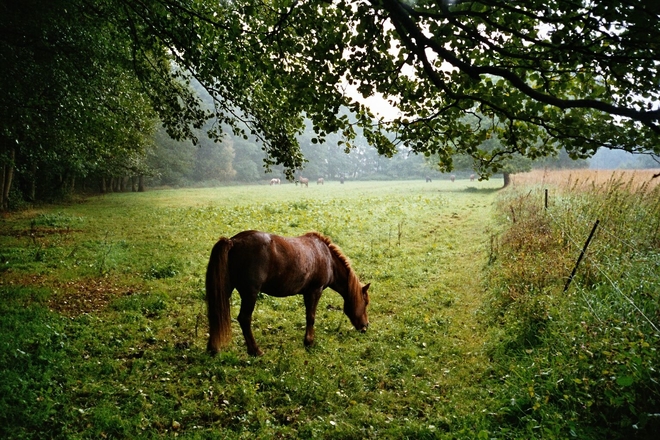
(585, 179)
(104, 327)
(472, 334)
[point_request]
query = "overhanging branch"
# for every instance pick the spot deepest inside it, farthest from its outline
(417, 42)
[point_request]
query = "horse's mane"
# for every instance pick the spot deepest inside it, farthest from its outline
(333, 248)
(353, 281)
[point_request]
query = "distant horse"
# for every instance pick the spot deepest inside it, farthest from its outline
(452, 177)
(304, 181)
(428, 179)
(274, 181)
(254, 261)
(471, 177)
(319, 181)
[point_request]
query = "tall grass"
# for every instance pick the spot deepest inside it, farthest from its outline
(582, 363)
(585, 179)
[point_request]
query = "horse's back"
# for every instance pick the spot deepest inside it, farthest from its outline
(276, 265)
(250, 245)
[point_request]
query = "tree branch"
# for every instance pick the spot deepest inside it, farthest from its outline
(417, 42)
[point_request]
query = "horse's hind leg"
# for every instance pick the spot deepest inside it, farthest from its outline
(248, 302)
(311, 301)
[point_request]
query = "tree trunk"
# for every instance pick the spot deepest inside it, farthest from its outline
(7, 177)
(133, 184)
(103, 187)
(507, 179)
(2, 187)
(33, 182)
(140, 183)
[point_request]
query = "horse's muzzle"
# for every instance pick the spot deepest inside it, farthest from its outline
(364, 328)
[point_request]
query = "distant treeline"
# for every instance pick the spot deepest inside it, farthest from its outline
(169, 163)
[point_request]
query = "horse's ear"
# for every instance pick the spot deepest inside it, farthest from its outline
(365, 287)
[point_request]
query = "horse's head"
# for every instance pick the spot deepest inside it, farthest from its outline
(358, 308)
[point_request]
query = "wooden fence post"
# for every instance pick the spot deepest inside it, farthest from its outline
(584, 250)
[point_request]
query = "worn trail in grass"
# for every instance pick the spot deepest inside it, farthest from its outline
(466, 228)
(135, 362)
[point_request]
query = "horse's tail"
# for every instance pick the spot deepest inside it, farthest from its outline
(218, 292)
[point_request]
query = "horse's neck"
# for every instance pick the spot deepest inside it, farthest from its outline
(342, 278)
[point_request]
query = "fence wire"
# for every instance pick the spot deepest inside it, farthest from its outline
(603, 228)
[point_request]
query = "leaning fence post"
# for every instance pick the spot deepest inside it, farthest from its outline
(584, 250)
(546, 198)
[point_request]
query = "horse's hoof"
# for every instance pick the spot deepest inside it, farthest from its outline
(256, 352)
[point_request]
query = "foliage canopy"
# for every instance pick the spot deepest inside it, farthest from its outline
(538, 75)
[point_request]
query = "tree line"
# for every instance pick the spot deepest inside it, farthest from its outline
(85, 85)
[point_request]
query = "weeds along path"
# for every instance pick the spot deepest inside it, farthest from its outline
(426, 259)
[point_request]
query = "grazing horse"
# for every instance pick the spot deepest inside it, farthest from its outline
(452, 177)
(471, 177)
(319, 181)
(428, 179)
(274, 181)
(254, 261)
(304, 181)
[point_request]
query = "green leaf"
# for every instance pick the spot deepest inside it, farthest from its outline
(625, 381)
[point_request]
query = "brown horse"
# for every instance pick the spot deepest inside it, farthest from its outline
(254, 261)
(319, 181)
(304, 181)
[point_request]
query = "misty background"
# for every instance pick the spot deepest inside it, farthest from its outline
(171, 163)
(180, 164)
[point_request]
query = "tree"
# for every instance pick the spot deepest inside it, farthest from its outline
(562, 161)
(572, 74)
(248, 160)
(213, 161)
(173, 161)
(70, 100)
(545, 70)
(575, 74)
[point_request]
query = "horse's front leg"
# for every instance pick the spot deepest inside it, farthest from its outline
(311, 301)
(248, 302)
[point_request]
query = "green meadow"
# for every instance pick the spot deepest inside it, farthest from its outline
(103, 324)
